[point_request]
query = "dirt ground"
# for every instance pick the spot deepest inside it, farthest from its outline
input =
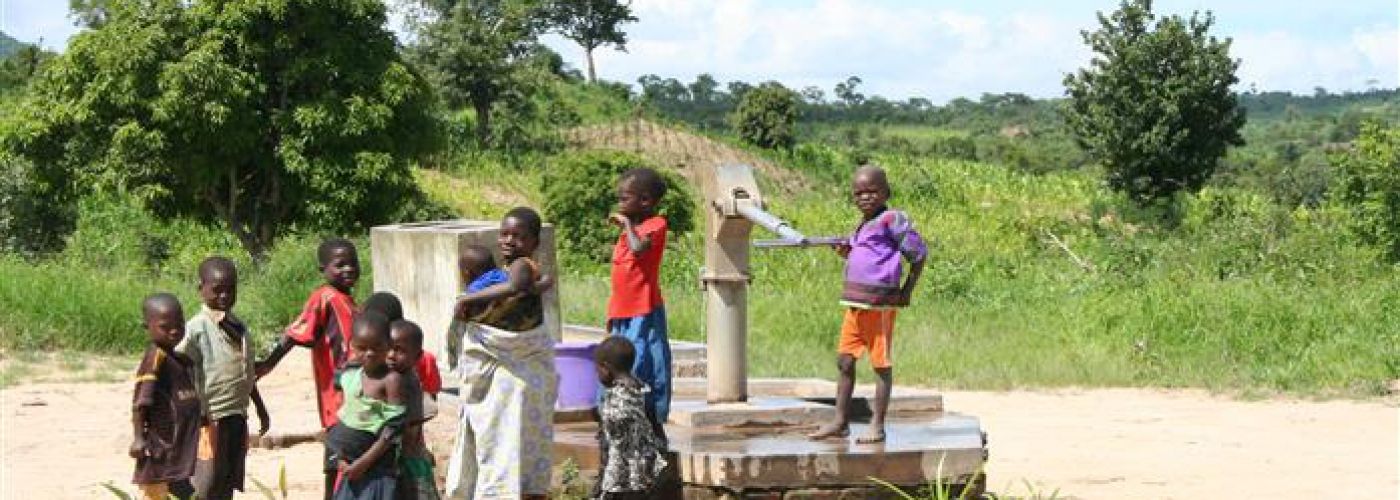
(62, 440)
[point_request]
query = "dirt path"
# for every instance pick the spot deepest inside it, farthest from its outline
(62, 440)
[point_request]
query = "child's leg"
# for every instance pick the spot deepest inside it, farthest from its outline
(328, 469)
(658, 347)
(845, 385)
(882, 325)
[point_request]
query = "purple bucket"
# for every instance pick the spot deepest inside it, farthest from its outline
(578, 379)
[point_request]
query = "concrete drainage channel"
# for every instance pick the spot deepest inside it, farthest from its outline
(758, 448)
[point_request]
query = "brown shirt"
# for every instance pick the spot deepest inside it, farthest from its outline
(165, 388)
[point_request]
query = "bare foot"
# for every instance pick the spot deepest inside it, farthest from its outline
(830, 431)
(872, 436)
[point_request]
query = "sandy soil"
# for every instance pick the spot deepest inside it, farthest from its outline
(62, 440)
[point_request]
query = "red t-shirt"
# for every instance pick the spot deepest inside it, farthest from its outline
(636, 288)
(428, 375)
(324, 325)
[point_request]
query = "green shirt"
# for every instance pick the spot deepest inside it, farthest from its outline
(221, 353)
(361, 412)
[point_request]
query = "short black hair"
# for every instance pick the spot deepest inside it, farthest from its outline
(372, 323)
(415, 334)
(529, 219)
(651, 183)
(615, 353)
(329, 245)
(159, 302)
(479, 252)
(217, 263)
(384, 303)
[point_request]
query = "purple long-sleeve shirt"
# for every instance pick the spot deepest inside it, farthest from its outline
(873, 268)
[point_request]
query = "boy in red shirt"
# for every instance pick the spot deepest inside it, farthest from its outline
(324, 326)
(635, 309)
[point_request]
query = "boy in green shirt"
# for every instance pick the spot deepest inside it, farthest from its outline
(221, 352)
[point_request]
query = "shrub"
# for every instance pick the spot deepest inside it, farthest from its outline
(1370, 186)
(766, 115)
(1155, 105)
(31, 219)
(581, 190)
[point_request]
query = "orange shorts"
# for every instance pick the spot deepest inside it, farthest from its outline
(867, 330)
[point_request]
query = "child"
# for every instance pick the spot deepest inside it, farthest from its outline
(324, 326)
(477, 268)
(415, 461)
(870, 295)
(504, 438)
(426, 369)
(635, 309)
(221, 352)
(370, 417)
(165, 410)
(633, 455)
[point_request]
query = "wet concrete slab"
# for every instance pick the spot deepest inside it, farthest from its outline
(948, 447)
(904, 401)
(763, 412)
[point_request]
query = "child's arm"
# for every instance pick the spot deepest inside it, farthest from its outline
(303, 331)
(264, 420)
(522, 278)
(393, 389)
(274, 356)
(913, 248)
(635, 242)
(138, 429)
(916, 269)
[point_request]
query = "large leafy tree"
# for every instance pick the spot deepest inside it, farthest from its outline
(479, 52)
(592, 24)
(766, 116)
(261, 114)
(1370, 186)
(1155, 105)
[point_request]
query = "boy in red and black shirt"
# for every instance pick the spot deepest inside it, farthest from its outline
(324, 326)
(635, 309)
(165, 410)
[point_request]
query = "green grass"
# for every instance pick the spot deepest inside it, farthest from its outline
(1239, 296)
(1227, 291)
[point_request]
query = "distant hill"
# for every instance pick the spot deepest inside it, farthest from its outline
(8, 45)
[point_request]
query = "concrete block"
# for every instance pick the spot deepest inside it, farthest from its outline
(758, 412)
(418, 263)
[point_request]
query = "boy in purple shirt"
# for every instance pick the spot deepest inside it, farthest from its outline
(871, 293)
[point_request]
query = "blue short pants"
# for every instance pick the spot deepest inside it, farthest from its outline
(653, 365)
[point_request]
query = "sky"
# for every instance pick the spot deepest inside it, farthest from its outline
(938, 49)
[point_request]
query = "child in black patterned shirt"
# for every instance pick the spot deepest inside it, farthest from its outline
(633, 456)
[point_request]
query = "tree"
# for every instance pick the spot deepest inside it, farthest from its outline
(1155, 105)
(846, 92)
(592, 24)
(89, 13)
(479, 53)
(581, 189)
(1370, 186)
(260, 114)
(766, 115)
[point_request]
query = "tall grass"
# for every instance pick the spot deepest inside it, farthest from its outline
(1237, 293)
(89, 296)
(1033, 281)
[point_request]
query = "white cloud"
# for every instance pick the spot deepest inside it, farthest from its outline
(1278, 60)
(899, 51)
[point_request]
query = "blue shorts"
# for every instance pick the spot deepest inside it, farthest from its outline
(653, 364)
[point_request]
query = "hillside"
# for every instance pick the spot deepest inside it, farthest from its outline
(8, 45)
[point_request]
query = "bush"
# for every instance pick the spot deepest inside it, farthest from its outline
(31, 219)
(581, 190)
(1155, 105)
(1371, 186)
(766, 115)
